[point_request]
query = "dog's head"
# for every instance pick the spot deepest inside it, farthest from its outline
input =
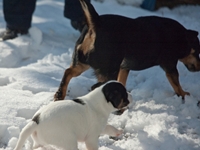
(116, 94)
(192, 61)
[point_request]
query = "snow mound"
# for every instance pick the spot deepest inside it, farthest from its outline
(15, 51)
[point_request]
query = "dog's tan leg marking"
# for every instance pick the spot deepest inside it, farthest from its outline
(36, 140)
(122, 76)
(71, 72)
(173, 80)
(88, 42)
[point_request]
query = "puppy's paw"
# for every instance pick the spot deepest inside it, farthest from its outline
(117, 135)
(119, 132)
(112, 131)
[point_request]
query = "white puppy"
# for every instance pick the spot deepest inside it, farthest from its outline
(64, 123)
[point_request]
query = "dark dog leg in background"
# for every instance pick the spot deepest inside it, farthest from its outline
(122, 76)
(71, 72)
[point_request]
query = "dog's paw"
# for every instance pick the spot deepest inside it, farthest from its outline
(58, 96)
(117, 135)
(182, 94)
(112, 131)
(119, 132)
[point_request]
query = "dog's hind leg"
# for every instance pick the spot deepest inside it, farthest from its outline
(122, 76)
(35, 140)
(26, 131)
(71, 72)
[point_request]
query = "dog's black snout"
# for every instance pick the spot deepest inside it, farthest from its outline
(126, 102)
(192, 67)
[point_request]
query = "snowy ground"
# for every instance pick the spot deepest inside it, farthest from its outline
(32, 66)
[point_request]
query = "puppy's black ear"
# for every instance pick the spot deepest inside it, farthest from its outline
(114, 92)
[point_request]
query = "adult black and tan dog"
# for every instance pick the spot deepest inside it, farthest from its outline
(112, 45)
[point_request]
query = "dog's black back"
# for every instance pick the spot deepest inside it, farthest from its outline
(142, 42)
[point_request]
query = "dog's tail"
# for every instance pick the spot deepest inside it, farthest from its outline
(92, 17)
(25, 133)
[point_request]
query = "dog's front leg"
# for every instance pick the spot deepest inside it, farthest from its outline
(174, 81)
(122, 76)
(112, 131)
(92, 143)
(71, 72)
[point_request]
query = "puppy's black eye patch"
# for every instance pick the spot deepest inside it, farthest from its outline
(79, 101)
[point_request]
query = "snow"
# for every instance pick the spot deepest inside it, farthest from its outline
(31, 68)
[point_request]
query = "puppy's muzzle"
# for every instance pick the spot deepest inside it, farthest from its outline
(126, 102)
(125, 105)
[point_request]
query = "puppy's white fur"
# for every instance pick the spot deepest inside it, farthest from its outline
(63, 123)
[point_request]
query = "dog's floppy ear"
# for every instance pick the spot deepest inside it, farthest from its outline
(193, 41)
(114, 92)
(192, 33)
(191, 36)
